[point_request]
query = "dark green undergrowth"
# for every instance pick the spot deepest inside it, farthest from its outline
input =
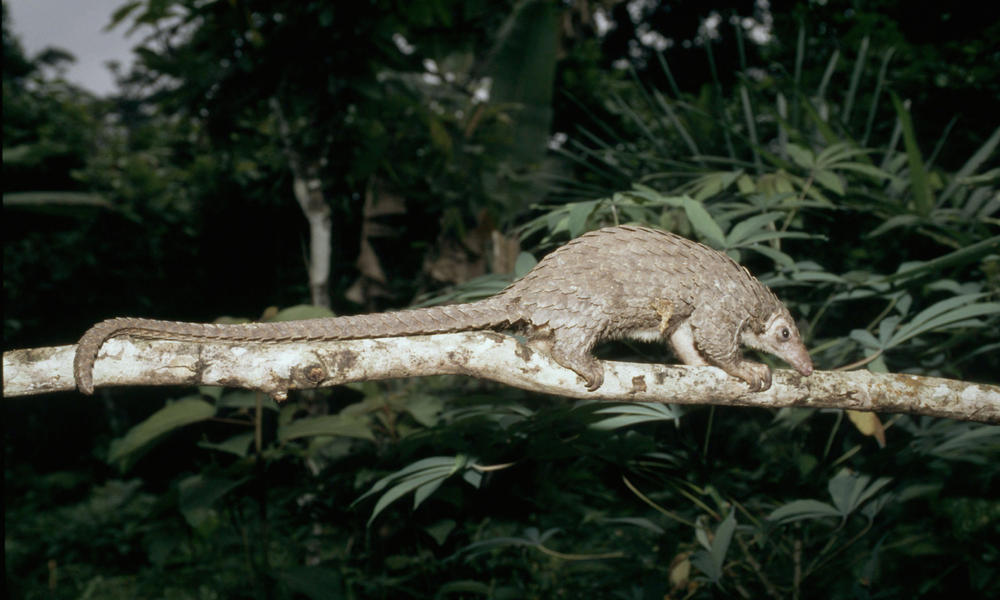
(820, 180)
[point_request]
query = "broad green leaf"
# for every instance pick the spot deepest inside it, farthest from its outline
(473, 477)
(703, 223)
(428, 479)
(197, 494)
(973, 444)
(723, 537)
(830, 181)
(833, 156)
(919, 184)
(173, 416)
(407, 485)
(750, 226)
(850, 490)
(944, 313)
(711, 184)
(822, 276)
(801, 156)
(525, 262)
(864, 169)
(424, 491)
(432, 464)
(339, 425)
(579, 212)
(439, 531)
(773, 235)
(777, 256)
(885, 330)
(639, 522)
(632, 414)
(237, 445)
(798, 510)
(866, 339)
(425, 409)
(245, 399)
(302, 312)
(894, 222)
(711, 562)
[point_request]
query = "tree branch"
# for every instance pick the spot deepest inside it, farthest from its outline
(275, 368)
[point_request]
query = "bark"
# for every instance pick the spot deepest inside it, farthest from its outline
(275, 368)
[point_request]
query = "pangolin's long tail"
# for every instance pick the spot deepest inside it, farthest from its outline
(485, 314)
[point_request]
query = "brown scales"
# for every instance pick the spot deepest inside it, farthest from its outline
(613, 283)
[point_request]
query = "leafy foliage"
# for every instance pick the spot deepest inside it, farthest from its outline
(813, 169)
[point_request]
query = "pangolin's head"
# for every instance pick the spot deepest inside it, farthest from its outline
(781, 338)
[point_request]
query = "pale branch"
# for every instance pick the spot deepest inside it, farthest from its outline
(274, 368)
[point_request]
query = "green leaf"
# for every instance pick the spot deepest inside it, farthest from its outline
(922, 195)
(424, 491)
(237, 445)
(748, 227)
(245, 399)
(301, 312)
(175, 415)
(703, 222)
(866, 339)
(525, 262)
(424, 476)
(973, 444)
(711, 562)
(439, 531)
(894, 222)
(830, 181)
(579, 212)
(723, 536)
(777, 256)
(406, 486)
(773, 235)
(640, 522)
(799, 510)
(864, 169)
(633, 414)
(833, 156)
(338, 425)
(197, 494)
(801, 156)
(942, 314)
(711, 184)
(850, 490)
(425, 409)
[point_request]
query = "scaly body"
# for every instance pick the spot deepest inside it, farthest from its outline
(613, 283)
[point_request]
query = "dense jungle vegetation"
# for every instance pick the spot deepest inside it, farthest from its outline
(846, 152)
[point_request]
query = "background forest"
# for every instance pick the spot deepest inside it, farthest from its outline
(430, 151)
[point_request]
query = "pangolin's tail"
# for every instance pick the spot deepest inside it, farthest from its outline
(486, 314)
